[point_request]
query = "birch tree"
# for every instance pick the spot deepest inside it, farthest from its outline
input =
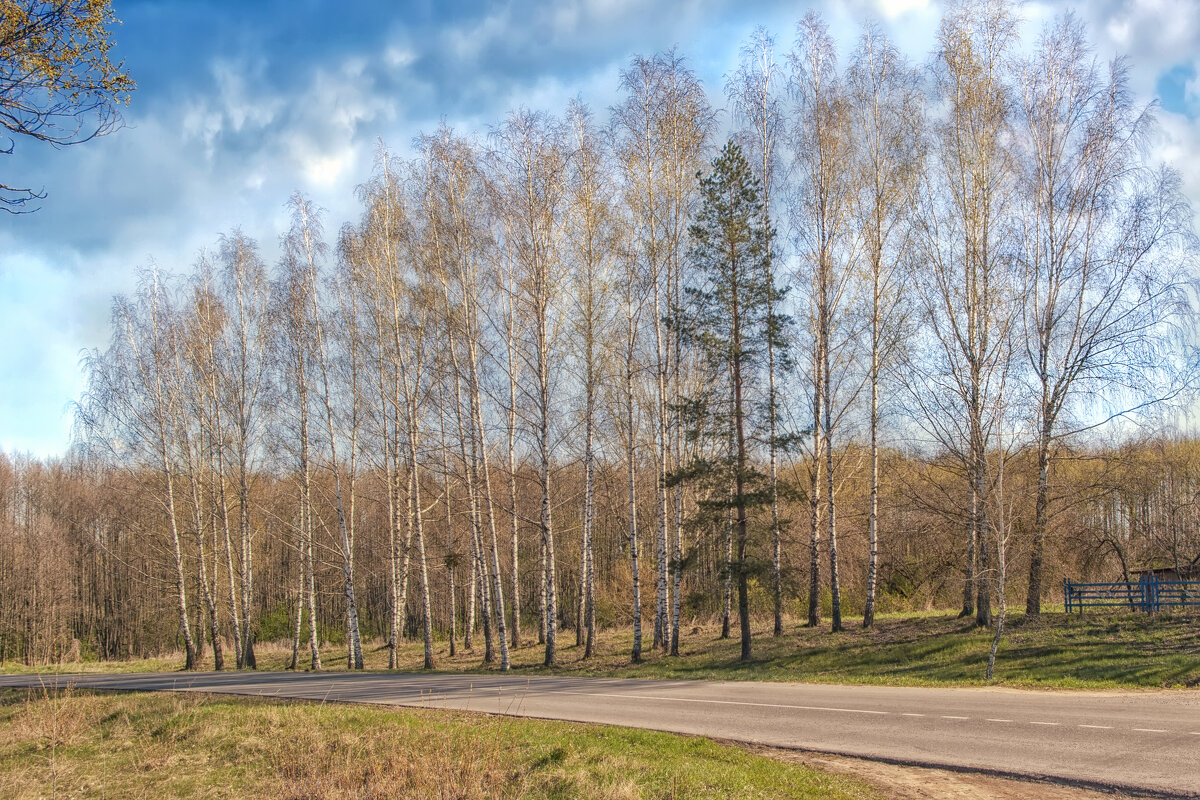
(454, 197)
(131, 410)
(242, 282)
(209, 397)
(514, 374)
(303, 244)
(821, 147)
(687, 123)
(662, 130)
(968, 289)
(887, 119)
(632, 302)
(371, 251)
(196, 435)
(400, 296)
(292, 357)
(530, 175)
(1100, 235)
(591, 238)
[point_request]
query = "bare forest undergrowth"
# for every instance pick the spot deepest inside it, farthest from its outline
(1055, 651)
(78, 744)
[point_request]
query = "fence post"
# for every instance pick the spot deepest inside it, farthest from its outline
(1067, 595)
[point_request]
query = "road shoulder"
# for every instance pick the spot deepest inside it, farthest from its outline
(904, 782)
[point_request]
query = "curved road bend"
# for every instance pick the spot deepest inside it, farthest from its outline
(1145, 742)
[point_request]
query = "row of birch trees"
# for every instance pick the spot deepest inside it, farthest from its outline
(970, 261)
(88, 572)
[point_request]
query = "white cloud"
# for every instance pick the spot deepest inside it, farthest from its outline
(326, 170)
(238, 102)
(1191, 90)
(1154, 34)
(399, 57)
(892, 9)
(469, 41)
(1168, 26)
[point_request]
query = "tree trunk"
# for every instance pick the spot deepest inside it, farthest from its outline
(814, 504)
(873, 501)
(497, 581)
(392, 477)
(630, 467)
(453, 612)
(830, 486)
(968, 608)
(542, 593)
(661, 451)
(983, 607)
(306, 538)
(248, 658)
(418, 524)
(1033, 600)
(185, 629)
(740, 500)
(727, 572)
(512, 497)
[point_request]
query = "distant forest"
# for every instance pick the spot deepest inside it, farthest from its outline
(915, 336)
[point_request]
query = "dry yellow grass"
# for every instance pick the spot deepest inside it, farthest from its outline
(164, 746)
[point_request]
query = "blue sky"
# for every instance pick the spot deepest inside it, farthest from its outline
(239, 104)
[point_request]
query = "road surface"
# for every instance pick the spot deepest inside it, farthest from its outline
(1144, 742)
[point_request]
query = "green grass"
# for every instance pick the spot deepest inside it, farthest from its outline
(78, 744)
(1055, 652)
(1059, 651)
(166, 663)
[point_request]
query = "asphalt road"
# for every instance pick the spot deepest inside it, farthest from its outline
(1145, 742)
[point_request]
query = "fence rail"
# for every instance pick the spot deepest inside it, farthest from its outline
(1149, 594)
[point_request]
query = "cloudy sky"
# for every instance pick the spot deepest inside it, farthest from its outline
(239, 104)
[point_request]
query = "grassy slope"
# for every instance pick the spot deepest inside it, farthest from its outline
(173, 746)
(1059, 651)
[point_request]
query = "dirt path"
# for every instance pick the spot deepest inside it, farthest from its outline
(898, 782)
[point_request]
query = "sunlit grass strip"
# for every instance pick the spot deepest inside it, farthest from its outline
(78, 744)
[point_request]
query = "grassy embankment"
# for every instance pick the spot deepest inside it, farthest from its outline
(1095, 651)
(77, 744)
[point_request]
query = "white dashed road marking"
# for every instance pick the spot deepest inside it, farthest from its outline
(728, 703)
(838, 710)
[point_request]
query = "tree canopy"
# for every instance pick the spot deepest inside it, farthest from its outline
(57, 82)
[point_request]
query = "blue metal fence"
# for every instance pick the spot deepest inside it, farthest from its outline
(1149, 594)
